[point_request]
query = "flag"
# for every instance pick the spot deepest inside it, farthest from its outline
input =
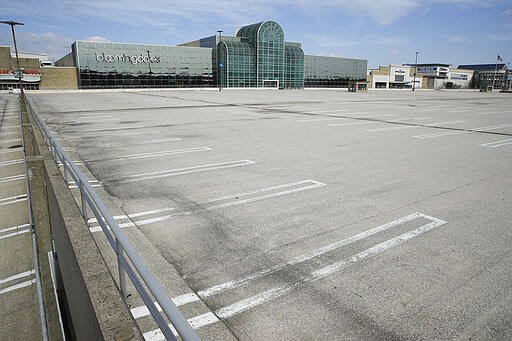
(499, 58)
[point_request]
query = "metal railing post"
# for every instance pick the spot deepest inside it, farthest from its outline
(82, 198)
(122, 272)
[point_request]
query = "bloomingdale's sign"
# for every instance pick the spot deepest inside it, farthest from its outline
(123, 58)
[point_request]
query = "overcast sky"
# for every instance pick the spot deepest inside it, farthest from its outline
(381, 31)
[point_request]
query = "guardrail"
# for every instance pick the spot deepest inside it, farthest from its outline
(129, 261)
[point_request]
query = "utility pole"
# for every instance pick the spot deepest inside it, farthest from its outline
(415, 70)
(18, 71)
(149, 62)
(219, 64)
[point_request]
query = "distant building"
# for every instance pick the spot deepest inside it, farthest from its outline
(394, 77)
(35, 73)
(489, 75)
(256, 56)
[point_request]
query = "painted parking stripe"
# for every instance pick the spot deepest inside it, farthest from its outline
(16, 277)
(12, 133)
(444, 123)
(11, 162)
(11, 141)
(91, 120)
(12, 178)
(93, 183)
(491, 113)
(445, 133)
(352, 124)
(14, 234)
(12, 150)
(311, 255)
(310, 184)
(17, 286)
(266, 296)
(135, 215)
(182, 171)
(321, 119)
(112, 129)
(12, 228)
(230, 200)
(504, 125)
(8, 127)
(308, 256)
(142, 311)
(411, 119)
(391, 128)
(115, 145)
(12, 200)
(496, 144)
(153, 154)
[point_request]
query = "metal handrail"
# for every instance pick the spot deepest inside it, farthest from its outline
(133, 266)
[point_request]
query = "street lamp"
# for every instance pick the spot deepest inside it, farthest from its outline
(219, 64)
(18, 71)
(415, 70)
(149, 61)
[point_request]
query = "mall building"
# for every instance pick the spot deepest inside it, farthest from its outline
(256, 55)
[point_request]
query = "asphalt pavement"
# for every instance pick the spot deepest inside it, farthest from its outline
(311, 215)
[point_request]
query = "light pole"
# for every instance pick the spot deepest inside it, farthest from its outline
(18, 71)
(415, 70)
(149, 62)
(219, 64)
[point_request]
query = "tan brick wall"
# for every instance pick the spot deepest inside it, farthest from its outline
(59, 78)
(6, 62)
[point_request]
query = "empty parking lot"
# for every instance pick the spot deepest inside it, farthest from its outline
(315, 214)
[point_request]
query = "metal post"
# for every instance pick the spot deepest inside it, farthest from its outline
(12, 23)
(82, 198)
(415, 70)
(122, 272)
(219, 64)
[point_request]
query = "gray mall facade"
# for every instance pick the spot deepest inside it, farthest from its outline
(256, 55)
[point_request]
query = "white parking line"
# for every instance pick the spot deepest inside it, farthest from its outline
(12, 228)
(217, 203)
(11, 141)
(111, 129)
(391, 128)
(6, 127)
(321, 119)
(12, 150)
(93, 183)
(12, 178)
(352, 124)
(14, 234)
(491, 113)
(17, 276)
(182, 171)
(91, 120)
(268, 295)
(17, 286)
(12, 200)
(153, 154)
(443, 123)
(135, 215)
(496, 144)
(142, 311)
(411, 119)
(503, 125)
(11, 162)
(442, 134)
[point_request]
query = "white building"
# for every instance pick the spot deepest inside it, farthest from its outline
(394, 77)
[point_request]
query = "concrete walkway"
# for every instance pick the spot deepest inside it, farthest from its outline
(19, 309)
